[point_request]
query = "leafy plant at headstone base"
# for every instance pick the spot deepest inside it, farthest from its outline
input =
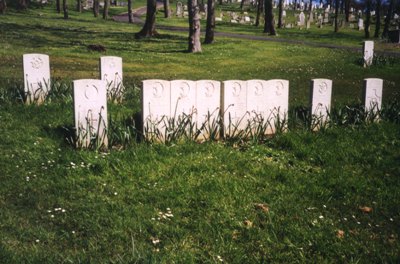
(210, 130)
(391, 111)
(39, 95)
(319, 121)
(59, 92)
(11, 92)
(115, 92)
(121, 132)
(381, 60)
(88, 137)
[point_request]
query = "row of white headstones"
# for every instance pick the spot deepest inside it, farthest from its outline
(166, 103)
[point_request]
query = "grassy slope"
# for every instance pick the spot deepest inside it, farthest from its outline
(313, 183)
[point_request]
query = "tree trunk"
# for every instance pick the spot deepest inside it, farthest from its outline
(368, 18)
(269, 26)
(387, 20)
(96, 7)
(79, 6)
(166, 8)
(378, 18)
(280, 13)
(149, 27)
(210, 22)
(3, 7)
(242, 4)
(130, 12)
(310, 7)
(194, 26)
(259, 10)
(336, 15)
(347, 10)
(342, 6)
(58, 6)
(295, 5)
(105, 9)
(65, 9)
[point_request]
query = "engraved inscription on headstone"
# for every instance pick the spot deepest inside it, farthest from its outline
(90, 112)
(372, 95)
(368, 53)
(36, 77)
(183, 99)
(277, 104)
(235, 106)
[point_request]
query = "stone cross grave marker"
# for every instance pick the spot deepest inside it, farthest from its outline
(372, 95)
(156, 108)
(368, 53)
(90, 112)
(320, 99)
(234, 107)
(36, 77)
(111, 72)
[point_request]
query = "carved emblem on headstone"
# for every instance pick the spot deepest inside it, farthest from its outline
(36, 62)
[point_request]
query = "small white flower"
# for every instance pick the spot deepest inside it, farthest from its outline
(37, 240)
(324, 206)
(344, 218)
(63, 210)
(52, 216)
(115, 193)
(321, 217)
(358, 223)
(220, 258)
(73, 232)
(391, 219)
(27, 178)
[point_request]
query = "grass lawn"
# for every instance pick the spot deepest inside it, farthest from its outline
(329, 196)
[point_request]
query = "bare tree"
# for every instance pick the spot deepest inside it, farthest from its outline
(96, 7)
(368, 18)
(269, 26)
(280, 9)
(149, 27)
(130, 12)
(387, 19)
(194, 26)
(336, 15)
(105, 9)
(166, 8)
(210, 22)
(79, 6)
(3, 6)
(65, 9)
(259, 11)
(378, 18)
(58, 6)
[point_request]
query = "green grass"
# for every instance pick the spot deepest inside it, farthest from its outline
(187, 202)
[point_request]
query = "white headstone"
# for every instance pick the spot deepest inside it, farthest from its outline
(179, 9)
(90, 112)
(235, 107)
(36, 77)
(302, 19)
(283, 13)
(372, 95)
(277, 103)
(360, 24)
(257, 96)
(368, 53)
(208, 99)
(111, 72)
(321, 93)
(247, 19)
(156, 108)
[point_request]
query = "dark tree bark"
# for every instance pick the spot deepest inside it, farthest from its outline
(295, 5)
(342, 6)
(96, 7)
(280, 9)
(149, 27)
(310, 7)
(259, 11)
(378, 18)
(210, 22)
(387, 20)
(269, 26)
(347, 10)
(79, 6)
(336, 15)
(166, 8)
(242, 4)
(368, 18)
(105, 9)
(194, 26)
(65, 9)
(130, 12)
(58, 6)
(3, 7)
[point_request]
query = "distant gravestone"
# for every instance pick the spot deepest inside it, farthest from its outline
(311, 18)
(36, 77)
(284, 13)
(372, 95)
(179, 9)
(156, 108)
(111, 72)
(219, 19)
(235, 107)
(247, 19)
(208, 99)
(368, 53)
(326, 18)
(302, 19)
(321, 93)
(360, 24)
(278, 104)
(90, 112)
